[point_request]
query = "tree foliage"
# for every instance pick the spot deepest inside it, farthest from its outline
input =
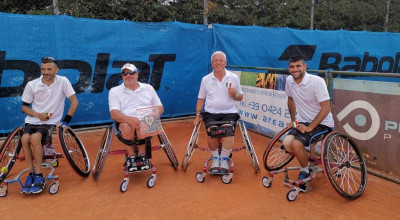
(328, 14)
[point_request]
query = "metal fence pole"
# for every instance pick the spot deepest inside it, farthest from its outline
(55, 5)
(205, 12)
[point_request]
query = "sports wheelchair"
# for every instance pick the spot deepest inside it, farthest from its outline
(341, 160)
(225, 177)
(72, 149)
(104, 150)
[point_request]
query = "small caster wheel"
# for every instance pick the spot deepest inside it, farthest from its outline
(226, 179)
(55, 163)
(291, 195)
(266, 182)
(124, 186)
(151, 181)
(53, 188)
(3, 194)
(198, 177)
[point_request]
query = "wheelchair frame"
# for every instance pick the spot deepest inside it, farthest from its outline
(104, 150)
(225, 177)
(72, 149)
(341, 160)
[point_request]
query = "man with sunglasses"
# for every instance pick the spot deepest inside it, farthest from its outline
(43, 102)
(124, 100)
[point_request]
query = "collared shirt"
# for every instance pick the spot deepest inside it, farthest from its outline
(127, 101)
(47, 99)
(307, 96)
(216, 93)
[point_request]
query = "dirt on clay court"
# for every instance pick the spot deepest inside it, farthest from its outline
(177, 194)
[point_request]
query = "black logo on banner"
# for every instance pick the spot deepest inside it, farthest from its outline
(31, 71)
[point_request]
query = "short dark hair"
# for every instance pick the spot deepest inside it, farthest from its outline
(296, 58)
(49, 60)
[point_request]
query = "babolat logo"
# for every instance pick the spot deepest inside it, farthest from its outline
(89, 79)
(336, 61)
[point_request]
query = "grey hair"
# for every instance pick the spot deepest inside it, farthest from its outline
(218, 52)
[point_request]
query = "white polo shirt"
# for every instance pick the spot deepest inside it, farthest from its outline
(216, 93)
(50, 99)
(127, 101)
(307, 95)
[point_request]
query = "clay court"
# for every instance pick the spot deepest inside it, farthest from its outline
(177, 194)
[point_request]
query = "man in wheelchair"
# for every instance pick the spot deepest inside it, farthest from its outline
(219, 90)
(124, 101)
(308, 94)
(46, 96)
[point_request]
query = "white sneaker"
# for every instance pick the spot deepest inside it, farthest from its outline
(214, 165)
(224, 165)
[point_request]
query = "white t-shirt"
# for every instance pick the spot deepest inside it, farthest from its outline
(127, 101)
(50, 99)
(216, 93)
(307, 95)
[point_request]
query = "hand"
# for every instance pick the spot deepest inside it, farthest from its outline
(134, 122)
(303, 128)
(43, 116)
(196, 120)
(64, 124)
(232, 92)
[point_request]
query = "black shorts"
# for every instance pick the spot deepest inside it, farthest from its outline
(305, 138)
(43, 129)
(210, 117)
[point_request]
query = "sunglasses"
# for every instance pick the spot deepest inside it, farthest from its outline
(49, 60)
(132, 73)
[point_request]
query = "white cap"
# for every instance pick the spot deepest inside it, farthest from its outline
(130, 67)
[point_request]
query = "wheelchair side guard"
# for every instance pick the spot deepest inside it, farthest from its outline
(225, 130)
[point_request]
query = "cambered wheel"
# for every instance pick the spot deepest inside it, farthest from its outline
(275, 156)
(191, 146)
(9, 151)
(249, 146)
(102, 152)
(344, 165)
(168, 149)
(74, 151)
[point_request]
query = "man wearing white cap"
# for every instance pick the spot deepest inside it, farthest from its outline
(124, 100)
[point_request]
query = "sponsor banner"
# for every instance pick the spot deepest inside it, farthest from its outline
(365, 110)
(170, 56)
(264, 103)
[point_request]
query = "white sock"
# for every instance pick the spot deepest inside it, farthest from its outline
(215, 153)
(225, 152)
(305, 169)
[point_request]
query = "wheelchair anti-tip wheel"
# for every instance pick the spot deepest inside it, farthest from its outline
(9, 150)
(124, 186)
(74, 151)
(344, 165)
(168, 149)
(275, 156)
(102, 152)
(249, 146)
(191, 146)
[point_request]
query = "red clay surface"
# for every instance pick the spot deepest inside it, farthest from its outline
(177, 194)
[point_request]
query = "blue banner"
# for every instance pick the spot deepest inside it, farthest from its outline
(172, 57)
